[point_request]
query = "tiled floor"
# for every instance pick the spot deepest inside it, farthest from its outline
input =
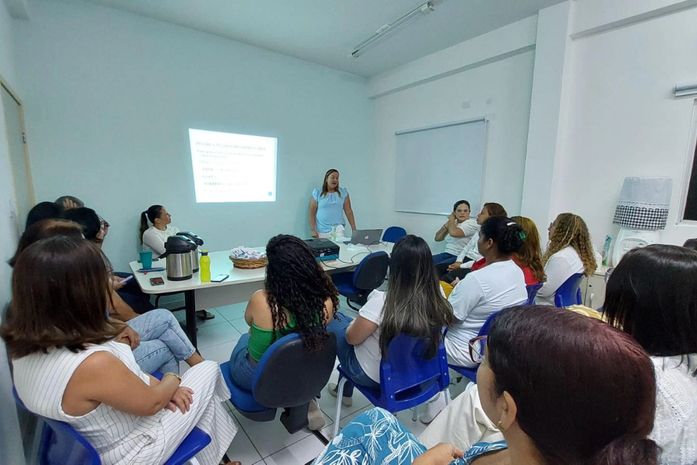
(268, 443)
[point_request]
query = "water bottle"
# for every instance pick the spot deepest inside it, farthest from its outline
(205, 267)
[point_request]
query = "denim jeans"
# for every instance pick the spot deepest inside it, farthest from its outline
(346, 354)
(163, 343)
(442, 260)
(241, 366)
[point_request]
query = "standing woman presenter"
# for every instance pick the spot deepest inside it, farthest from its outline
(328, 205)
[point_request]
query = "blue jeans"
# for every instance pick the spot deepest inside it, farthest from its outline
(346, 354)
(241, 366)
(442, 260)
(163, 343)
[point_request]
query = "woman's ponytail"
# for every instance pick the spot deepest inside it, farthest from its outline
(627, 450)
(143, 225)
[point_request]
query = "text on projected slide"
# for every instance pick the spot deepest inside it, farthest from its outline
(233, 167)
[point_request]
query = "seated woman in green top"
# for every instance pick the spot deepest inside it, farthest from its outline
(298, 296)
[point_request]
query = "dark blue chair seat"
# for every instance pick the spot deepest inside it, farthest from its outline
(288, 376)
(407, 378)
(569, 293)
(61, 444)
(358, 284)
(471, 373)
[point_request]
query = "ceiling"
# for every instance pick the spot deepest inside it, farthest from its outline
(326, 31)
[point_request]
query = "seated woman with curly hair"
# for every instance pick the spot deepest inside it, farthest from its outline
(298, 296)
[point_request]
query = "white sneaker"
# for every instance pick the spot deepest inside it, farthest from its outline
(346, 401)
(434, 407)
(315, 419)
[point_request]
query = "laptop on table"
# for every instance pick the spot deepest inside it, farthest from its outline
(365, 237)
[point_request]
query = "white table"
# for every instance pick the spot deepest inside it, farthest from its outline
(240, 284)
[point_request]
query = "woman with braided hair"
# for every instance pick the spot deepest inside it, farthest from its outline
(298, 296)
(569, 252)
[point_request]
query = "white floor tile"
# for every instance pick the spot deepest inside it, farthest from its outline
(269, 437)
(243, 450)
(416, 427)
(232, 312)
(219, 353)
(297, 454)
(216, 334)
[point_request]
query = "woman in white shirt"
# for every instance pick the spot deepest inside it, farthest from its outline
(470, 253)
(570, 251)
(456, 232)
(498, 285)
(154, 237)
(413, 304)
(70, 364)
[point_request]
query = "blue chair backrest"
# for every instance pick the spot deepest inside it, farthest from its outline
(393, 234)
(289, 375)
(371, 272)
(406, 376)
(61, 444)
(569, 293)
(532, 292)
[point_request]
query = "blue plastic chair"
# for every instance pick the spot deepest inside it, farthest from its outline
(358, 284)
(61, 444)
(471, 373)
(407, 379)
(393, 234)
(532, 292)
(569, 293)
(288, 376)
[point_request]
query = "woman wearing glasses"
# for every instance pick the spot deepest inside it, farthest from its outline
(588, 407)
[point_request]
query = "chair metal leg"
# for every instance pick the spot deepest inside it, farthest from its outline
(339, 398)
(447, 396)
(414, 415)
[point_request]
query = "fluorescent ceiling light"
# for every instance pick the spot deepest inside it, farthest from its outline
(385, 29)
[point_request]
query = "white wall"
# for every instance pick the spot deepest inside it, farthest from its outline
(621, 117)
(109, 97)
(489, 76)
(10, 439)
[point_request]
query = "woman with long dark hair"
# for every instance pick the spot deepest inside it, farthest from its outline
(592, 403)
(69, 365)
(652, 296)
(298, 296)
(413, 304)
(328, 206)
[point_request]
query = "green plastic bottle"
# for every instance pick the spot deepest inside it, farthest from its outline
(205, 267)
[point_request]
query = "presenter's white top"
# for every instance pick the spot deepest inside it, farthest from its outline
(330, 208)
(154, 239)
(558, 269)
(455, 245)
(471, 250)
(481, 293)
(368, 352)
(675, 427)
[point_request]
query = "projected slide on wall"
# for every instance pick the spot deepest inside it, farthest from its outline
(233, 167)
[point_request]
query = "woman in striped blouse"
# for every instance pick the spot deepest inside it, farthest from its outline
(70, 365)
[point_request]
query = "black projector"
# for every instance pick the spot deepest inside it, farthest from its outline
(323, 249)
